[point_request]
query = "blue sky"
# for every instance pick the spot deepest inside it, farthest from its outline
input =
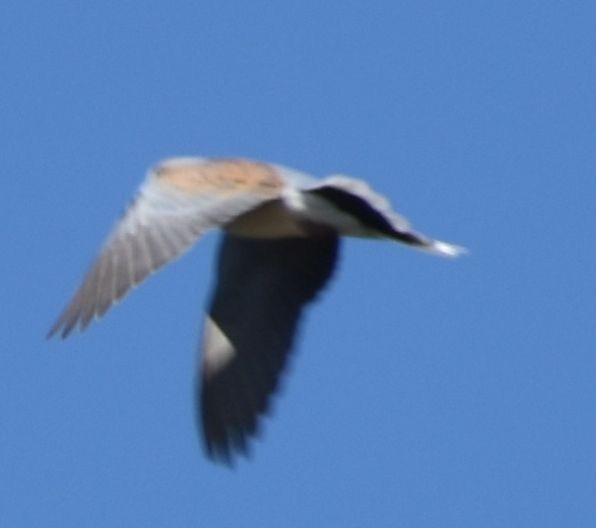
(424, 392)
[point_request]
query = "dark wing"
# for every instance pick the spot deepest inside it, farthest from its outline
(262, 287)
(178, 202)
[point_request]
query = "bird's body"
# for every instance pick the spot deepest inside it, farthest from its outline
(282, 236)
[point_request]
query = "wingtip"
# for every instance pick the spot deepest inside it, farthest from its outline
(56, 332)
(61, 328)
(446, 249)
(222, 454)
(53, 331)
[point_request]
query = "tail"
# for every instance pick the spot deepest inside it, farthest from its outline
(436, 247)
(444, 249)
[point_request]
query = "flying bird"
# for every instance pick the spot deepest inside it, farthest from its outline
(280, 245)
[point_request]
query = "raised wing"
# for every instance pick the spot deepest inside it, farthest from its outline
(180, 200)
(262, 288)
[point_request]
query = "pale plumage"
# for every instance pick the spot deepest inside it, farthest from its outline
(279, 250)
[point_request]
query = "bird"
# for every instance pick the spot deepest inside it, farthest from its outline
(280, 245)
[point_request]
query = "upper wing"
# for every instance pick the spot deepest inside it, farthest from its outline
(262, 287)
(180, 199)
(354, 200)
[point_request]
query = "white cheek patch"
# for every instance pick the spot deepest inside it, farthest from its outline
(218, 351)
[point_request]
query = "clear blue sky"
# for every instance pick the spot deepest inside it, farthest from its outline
(424, 392)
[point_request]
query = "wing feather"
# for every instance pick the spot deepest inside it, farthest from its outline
(179, 201)
(262, 288)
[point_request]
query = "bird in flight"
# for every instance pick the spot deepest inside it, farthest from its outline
(279, 249)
